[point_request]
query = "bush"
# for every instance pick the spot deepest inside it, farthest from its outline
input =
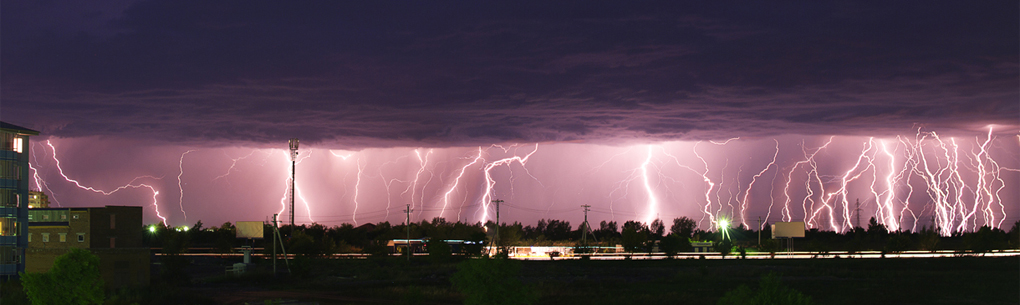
(74, 279)
(492, 281)
(770, 291)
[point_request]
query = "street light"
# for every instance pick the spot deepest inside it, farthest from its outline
(724, 226)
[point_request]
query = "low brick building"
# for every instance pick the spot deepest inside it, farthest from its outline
(114, 233)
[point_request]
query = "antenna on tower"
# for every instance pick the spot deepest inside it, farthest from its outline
(293, 166)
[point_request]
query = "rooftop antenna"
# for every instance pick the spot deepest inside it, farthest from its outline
(293, 163)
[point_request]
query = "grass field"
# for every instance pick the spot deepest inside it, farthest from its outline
(953, 280)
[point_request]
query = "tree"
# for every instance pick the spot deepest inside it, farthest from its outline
(74, 279)
(724, 246)
(657, 228)
(492, 281)
(635, 234)
(1014, 235)
(607, 230)
(672, 244)
(683, 227)
(985, 239)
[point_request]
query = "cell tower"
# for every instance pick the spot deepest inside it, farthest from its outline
(293, 163)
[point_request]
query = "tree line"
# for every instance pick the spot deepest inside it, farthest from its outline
(633, 236)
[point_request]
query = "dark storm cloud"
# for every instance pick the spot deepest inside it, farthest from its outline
(436, 74)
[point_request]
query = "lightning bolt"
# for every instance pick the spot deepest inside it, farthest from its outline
(809, 160)
(131, 184)
(180, 186)
(413, 187)
(704, 175)
(39, 182)
(297, 190)
(747, 193)
(456, 182)
(490, 183)
(357, 187)
(653, 201)
(232, 164)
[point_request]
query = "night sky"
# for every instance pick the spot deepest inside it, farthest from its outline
(624, 107)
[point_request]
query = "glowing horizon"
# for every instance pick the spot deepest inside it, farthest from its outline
(905, 182)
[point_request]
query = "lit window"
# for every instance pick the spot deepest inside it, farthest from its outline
(29, 237)
(46, 237)
(46, 217)
(63, 216)
(63, 237)
(18, 144)
(75, 216)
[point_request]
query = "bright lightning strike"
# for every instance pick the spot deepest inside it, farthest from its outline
(131, 184)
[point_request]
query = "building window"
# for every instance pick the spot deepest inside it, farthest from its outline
(45, 237)
(8, 198)
(81, 237)
(63, 216)
(46, 217)
(10, 170)
(19, 145)
(113, 242)
(75, 216)
(8, 226)
(113, 222)
(63, 237)
(29, 237)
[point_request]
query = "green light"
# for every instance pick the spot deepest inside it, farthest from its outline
(184, 228)
(724, 226)
(152, 228)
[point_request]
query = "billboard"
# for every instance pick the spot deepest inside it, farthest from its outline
(249, 229)
(788, 229)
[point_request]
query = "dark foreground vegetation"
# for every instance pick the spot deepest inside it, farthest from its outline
(456, 280)
(463, 276)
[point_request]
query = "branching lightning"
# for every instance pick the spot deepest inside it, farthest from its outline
(951, 184)
(131, 184)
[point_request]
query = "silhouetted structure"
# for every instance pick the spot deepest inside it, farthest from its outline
(14, 156)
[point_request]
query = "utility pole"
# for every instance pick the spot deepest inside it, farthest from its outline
(587, 228)
(274, 244)
(495, 240)
(858, 212)
(759, 231)
(407, 224)
(293, 166)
